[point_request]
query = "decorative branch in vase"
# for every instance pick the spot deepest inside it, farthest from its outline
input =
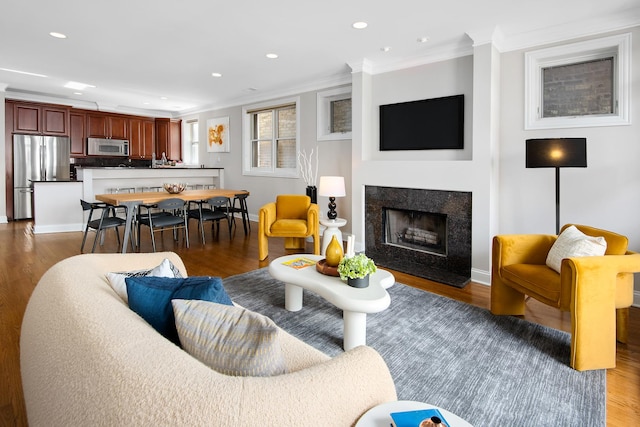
(309, 171)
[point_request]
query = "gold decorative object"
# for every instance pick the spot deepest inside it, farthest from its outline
(334, 252)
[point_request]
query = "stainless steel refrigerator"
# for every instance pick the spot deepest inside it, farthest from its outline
(36, 158)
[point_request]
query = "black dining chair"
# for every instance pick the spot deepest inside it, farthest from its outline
(214, 209)
(241, 209)
(105, 218)
(174, 215)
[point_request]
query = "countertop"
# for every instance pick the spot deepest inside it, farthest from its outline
(54, 180)
(143, 167)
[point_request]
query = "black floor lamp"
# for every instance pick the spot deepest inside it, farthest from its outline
(557, 153)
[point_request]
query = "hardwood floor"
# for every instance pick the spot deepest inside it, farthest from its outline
(24, 257)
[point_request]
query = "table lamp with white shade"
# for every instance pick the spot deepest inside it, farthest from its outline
(332, 187)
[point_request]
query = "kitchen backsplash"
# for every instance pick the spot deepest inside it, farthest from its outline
(111, 162)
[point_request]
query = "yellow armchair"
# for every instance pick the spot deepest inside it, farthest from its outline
(292, 216)
(596, 290)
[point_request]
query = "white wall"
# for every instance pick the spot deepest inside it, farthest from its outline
(467, 170)
(606, 194)
(335, 159)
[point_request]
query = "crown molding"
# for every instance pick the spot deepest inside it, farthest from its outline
(570, 31)
(443, 53)
(256, 97)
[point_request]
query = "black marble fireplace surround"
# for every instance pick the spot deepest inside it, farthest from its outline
(452, 268)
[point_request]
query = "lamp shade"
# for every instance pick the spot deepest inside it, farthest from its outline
(331, 186)
(556, 153)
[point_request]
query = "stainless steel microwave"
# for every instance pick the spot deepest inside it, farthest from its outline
(107, 147)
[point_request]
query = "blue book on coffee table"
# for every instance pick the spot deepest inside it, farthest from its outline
(414, 418)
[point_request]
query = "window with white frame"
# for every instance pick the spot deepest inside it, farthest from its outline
(334, 114)
(579, 85)
(270, 139)
(191, 145)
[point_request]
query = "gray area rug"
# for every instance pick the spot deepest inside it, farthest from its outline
(489, 370)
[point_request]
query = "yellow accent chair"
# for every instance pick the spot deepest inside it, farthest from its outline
(596, 290)
(291, 216)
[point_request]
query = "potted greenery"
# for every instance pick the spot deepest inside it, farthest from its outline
(356, 270)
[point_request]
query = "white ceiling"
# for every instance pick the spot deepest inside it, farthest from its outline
(136, 51)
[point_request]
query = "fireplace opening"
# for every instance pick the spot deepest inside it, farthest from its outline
(416, 230)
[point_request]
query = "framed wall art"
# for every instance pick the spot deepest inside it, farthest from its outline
(218, 135)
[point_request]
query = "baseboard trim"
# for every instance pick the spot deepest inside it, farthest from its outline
(482, 277)
(58, 228)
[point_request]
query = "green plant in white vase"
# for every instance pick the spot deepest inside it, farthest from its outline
(356, 267)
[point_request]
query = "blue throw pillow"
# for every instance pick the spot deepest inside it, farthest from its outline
(151, 297)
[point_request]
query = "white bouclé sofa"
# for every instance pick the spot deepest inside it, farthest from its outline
(88, 360)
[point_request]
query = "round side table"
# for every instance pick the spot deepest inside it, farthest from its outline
(379, 416)
(333, 229)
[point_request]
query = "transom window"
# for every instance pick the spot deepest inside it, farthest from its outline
(579, 85)
(334, 114)
(271, 139)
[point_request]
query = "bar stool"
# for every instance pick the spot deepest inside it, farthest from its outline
(195, 186)
(210, 186)
(122, 190)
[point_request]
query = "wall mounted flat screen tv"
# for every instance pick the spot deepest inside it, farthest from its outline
(428, 124)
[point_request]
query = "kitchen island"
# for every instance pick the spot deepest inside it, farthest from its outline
(57, 203)
(56, 206)
(102, 180)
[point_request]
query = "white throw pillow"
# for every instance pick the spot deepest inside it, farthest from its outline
(117, 280)
(230, 340)
(574, 243)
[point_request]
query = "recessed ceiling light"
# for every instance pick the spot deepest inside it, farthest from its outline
(22, 72)
(423, 39)
(216, 74)
(385, 49)
(251, 89)
(146, 103)
(57, 35)
(164, 98)
(360, 25)
(272, 55)
(77, 93)
(77, 85)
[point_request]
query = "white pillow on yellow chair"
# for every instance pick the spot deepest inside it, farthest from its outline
(574, 243)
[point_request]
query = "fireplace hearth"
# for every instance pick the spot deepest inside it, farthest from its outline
(426, 233)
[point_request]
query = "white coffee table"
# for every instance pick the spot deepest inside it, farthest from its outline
(354, 302)
(379, 416)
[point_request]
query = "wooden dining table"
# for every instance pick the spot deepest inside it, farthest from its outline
(133, 200)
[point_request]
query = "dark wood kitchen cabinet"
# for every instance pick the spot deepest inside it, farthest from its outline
(169, 138)
(78, 134)
(141, 138)
(102, 125)
(40, 119)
